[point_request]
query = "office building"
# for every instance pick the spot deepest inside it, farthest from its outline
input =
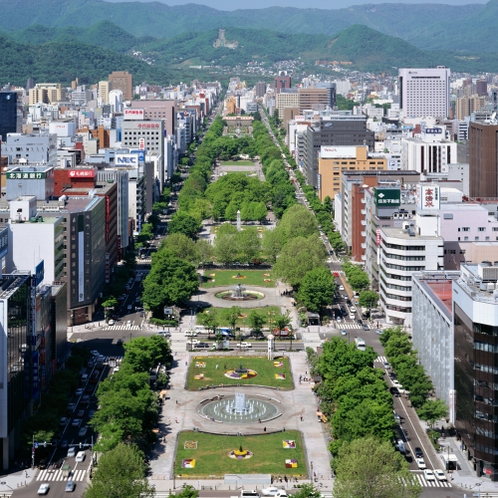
(35, 148)
(482, 88)
(10, 118)
(465, 106)
(287, 97)
(483, 151)
(154, 110)
(317, 98)
(333, 160)
(283, 80)
(46, 93)
(260, 89)
(339, 128)
(475, 322)
(424, 92)
(30, 180)
(122, 80)
(401, 253)
(103, 90)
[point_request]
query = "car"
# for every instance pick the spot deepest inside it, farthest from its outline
(418, 452)
(352, 309)
(116, 369)
(392, 375)
(128, 323)
(76, 422)
(79, 391)
(85, 399)
(80, 413)
(110, 322)
(366, 327)
(379, 331)
(397, 417)
(63, 421)
(440, 475)
(80, 456)
(43, 489)
(91, 413)
(165, 333)
(190, 333)
(338, 318)
(396, 383)
(129, 307)
(71, 452)
(394, 391)
(94, 352)
(420, 463)
(273, 491)
(193, 342)
(82, 432)
(344, 332)
(70, 485)
(429, 475)
(341, 287)
(244, 345)
(63, 443)
(386, 365)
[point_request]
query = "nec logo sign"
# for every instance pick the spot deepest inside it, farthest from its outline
(127, 160)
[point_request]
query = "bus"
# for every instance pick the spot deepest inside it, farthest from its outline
(360, 344)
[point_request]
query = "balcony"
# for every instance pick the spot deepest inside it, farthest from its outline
(364, 223)
(363, 211)
(363, 201)
(363, 245)
(363, 234)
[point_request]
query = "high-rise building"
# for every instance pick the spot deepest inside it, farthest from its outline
(122, 80)
(465, 106)
(103, 91)
(283, 80)
(9, 119)
(424, 92)
(47, 93)
(316, 98)
(483, 150)
(260, 89)
(481, 88)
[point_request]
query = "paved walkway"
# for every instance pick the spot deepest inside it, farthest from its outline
(182, 406)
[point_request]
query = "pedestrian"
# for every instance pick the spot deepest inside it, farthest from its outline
(302, 418)
(186, 363)
(176, 401)
(176, 420)
(216, 366)
(225, 366)
(169, 421)
(259, 420)
(26, 473)
(264, 429)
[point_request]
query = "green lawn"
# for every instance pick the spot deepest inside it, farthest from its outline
(237, 163)
(265, 369)
(243, 320)
(211, 456)
(217, 278)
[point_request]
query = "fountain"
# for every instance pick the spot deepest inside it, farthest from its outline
(239, 293)
(239, 409)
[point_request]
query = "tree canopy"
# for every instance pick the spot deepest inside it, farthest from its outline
(317, 289)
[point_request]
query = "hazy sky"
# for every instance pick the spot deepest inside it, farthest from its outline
(319, 4)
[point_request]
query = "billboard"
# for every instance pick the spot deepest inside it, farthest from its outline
(82, 173)
(338, 151)
(428, 197)
(126, 160)
(387, 197)
(134, 114)
(39, 272)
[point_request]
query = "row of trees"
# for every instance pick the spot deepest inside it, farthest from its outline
(357, 278)
(355, 398)
(404, 361)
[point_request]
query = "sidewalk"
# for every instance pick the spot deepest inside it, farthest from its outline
(10, 482)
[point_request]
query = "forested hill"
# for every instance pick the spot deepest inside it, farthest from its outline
(426, 25)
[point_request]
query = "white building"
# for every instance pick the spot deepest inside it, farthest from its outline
(425, 92)
(401, 253)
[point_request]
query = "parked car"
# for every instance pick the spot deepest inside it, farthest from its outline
(76, 422)
(244, 345)
(71, 452)
(273, 491)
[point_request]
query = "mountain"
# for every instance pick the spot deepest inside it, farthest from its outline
(436, 21)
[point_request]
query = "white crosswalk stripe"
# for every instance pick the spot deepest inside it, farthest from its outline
(56, 475)
(121, 327)
(6, 494)
(347, 325)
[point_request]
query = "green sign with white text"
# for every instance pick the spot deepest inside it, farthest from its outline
(387, 197)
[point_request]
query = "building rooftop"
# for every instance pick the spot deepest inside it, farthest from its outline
(479, 281)
(438, 285)
(400, 233)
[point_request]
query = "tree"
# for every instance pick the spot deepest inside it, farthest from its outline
(248, 244)
(121, 473)
(145, 353)
(184, 223)
(171, 281)
(204, 250)
(231, 315)
(187, 492)
(368, 299)
(298, 221)
(282, 322)
(307, 491)
(433, 410)
(371, 468)
(297, 257)
(209, 319)
(181, 246)
(317, 289)
(225, 248)
(257, 321)
(272, 243)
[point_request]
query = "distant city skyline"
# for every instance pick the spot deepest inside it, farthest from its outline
(313, 4)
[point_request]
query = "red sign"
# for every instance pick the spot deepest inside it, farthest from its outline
(82, 173)
(141, 144)
(378, 236)
(148, 126)
(134, 114)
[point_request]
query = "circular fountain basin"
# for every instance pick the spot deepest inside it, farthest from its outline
(245, 296)
(230, 410)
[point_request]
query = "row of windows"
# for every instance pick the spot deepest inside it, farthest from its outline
(400, 309)
(403, 248)
(486, 346)
(486, 449)
(398, 298)
(486, 400)
(404, 278)
(404, 268)
(465, 239)
(453, 251)
(486, 368)
(484, 383)
(486, 432)
(404, 258)
(394, 286)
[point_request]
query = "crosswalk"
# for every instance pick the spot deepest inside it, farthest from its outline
(419, 478)
(56, 475)
(6, 494)
(347, 325)
(121, 327)
(381, 359)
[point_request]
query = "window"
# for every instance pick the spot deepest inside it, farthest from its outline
(481, 229)
(465, 229)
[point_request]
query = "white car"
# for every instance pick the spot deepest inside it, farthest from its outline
(110, 322)
(352, 309)
(190, 333)
(420, 463)
(341, 287)
(82, 431)
(43, 489)
(272, 491)
(429, 475)
(244, 345)
(440, 475)
(71, 452)
(193, 342)
(80, 456)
